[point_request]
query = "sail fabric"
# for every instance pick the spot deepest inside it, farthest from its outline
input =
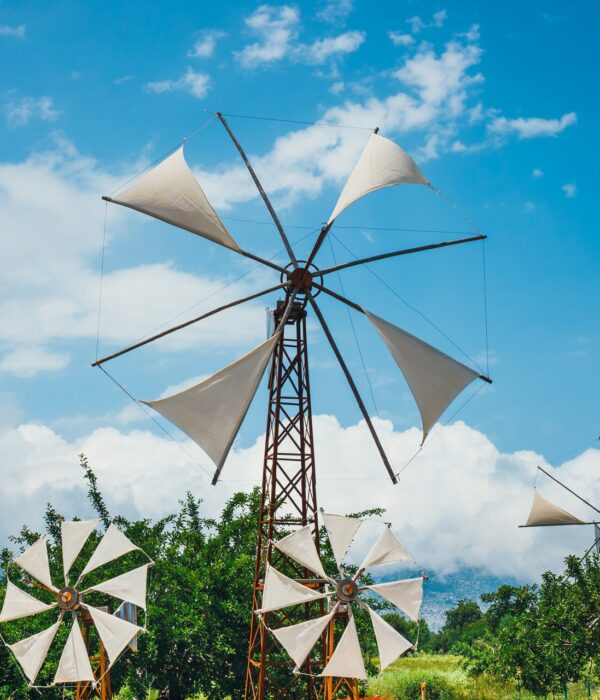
(171, 193)
(381, 164)
(280, 591)
(544, 512)
(300, 546)
(18, 603)
(113, 545)
(406, 595)
(130, 586)
(299, 639)
(35, 562)
(114, 632)
(211, 412)
(435, 379)
(347, 660)
(74, 535)
(31, 652)
(387, 549)
(391, 644)
(341, 530)
(74, 664)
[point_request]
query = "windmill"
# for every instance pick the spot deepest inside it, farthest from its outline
(345, 664)
(212, 411)
(544, 513)
(89, 672)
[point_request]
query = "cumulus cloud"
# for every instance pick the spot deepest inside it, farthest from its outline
(417, 24)
(336, 11)
(19, 111)
(570, 190)
(323, 49)
(31, 361)
(537, 173)
(532, 127)
(192, 82)
(399, 39)
(17, 32)
(457, 505)
(205, 45)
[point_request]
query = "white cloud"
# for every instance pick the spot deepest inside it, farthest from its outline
(19, 111)
(570, 190)
(276, 28)
(205, 45)
(337, 87)
(439, 18)
(532, 127)
(17, 32)
(336, 11)
(537, 173)
(192, 82)
(30, 361)
(457, 505)
(399, 39)
(323, 49)
(123, 79)
(417, 24)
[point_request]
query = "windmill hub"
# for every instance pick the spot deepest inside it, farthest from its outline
(346, 590)
(301, 279)
(68, 598)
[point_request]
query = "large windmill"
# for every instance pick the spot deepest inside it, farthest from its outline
(212, 411)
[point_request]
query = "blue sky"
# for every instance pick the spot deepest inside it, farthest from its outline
(495, 107)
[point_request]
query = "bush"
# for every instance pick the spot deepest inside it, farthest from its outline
(406, 685)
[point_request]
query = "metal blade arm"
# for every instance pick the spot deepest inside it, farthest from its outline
(318, 244)
(261, 190)
(560, 483)
(162, 334)
(405, 251)
(350, 381)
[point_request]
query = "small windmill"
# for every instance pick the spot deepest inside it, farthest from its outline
(345, 662)
(212, 411)
(544, 513)
(78, 665)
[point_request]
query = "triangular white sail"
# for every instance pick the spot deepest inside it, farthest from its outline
(300, 546)
(435, 379)
(391, 644)
(381, 164)
(387, 549)
(114, 632)
(114, 544)
(35, 562)
(406, 595)
(74, 664)
(299, 639)
(544, 512)
(212, 412)
(130, 587)
(171, 193)
(347, 660)
(18, 603)
(31, 652)
(74, 535)
(280, 591)
(341, 531)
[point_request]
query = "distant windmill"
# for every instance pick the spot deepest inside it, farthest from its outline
(212, 411)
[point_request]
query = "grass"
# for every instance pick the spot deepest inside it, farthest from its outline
(447, 680)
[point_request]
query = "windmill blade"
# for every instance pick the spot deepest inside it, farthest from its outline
(545, 513)
(130, 587)
(74, 664)
(341, 530)
(74, 535)
(381, 164)
(113, 545)
(18, 604)
(387, 550)
(299, 639)
(171, 193)
(300, 546)
(390, 642)
(434, 378)
(35, 562)
(114, 632)
(347, 660)
(406, 595)
(31, 652)
(280, 591)
(211, 412)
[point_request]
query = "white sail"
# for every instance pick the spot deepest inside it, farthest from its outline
(341, 530)
(130, 586)
(74, 535)
(434, 378)
(31, 652)
(113, 545)
(391, 644)
(171, 193)
(299, 639)
(35, 562)
(18, 604)
(406, 595)
(300, 546)
(381, 164)
(114, 632)
(212, 412)
(387, 549)
(74, 664)
(544, 512)
(280, 591)
(347, 660)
